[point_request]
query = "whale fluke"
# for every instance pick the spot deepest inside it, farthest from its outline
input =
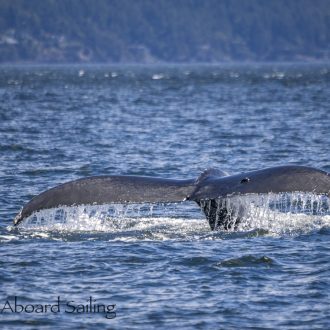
(278, 179)
(212, 185)
(109, 189)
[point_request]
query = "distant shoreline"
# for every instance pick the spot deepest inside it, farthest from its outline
(167, 64)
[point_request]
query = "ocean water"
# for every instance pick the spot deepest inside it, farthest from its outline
(160, 266)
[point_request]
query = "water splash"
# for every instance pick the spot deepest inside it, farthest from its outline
(286, 213)
(270, 214)
(112, 217)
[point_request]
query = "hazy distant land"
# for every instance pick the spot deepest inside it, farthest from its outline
(157, 31)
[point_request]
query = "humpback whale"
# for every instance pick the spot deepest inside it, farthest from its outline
(212, 185)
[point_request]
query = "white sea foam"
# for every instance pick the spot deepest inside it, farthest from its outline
(157, 76)
(6, 238)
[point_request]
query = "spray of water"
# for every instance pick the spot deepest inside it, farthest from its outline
(272, 213)
(277, 213)
(111, 217)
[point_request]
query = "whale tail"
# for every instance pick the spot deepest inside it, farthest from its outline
(209, 190)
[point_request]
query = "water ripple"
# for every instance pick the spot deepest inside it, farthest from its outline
(166, 270)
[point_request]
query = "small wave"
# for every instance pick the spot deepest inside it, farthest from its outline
(14, 147)
(247, 261)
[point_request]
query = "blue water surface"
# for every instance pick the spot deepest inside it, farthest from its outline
(165, 268)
